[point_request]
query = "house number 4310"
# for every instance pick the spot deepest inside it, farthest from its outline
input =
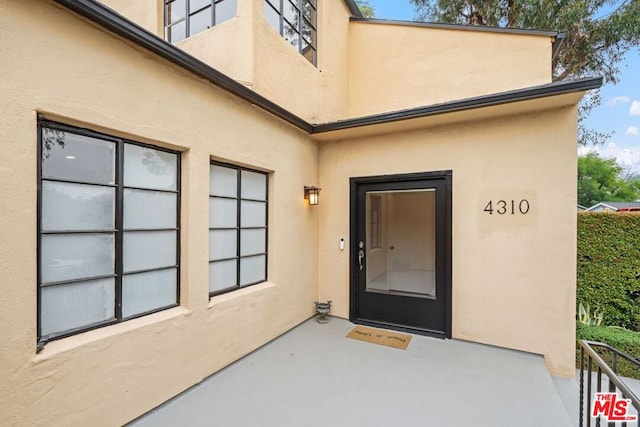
(511, 207)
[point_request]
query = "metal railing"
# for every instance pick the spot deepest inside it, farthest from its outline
(595, 364)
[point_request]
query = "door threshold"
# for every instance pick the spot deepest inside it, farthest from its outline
(401, 328)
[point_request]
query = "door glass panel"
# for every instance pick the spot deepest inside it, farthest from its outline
(401, 237)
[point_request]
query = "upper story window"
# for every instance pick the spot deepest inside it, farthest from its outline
(108, 227)
(237, 227)
(295, 20)
(184, 18)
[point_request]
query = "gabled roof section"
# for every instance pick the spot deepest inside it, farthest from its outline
(615, 205)
(117, 24)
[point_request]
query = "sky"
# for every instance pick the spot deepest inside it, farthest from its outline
(619, 113)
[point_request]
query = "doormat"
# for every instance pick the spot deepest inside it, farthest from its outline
(380, 336)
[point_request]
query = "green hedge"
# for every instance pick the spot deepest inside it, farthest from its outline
(609, 266)
(623, 340)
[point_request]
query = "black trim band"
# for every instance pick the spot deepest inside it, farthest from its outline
(536, 92)
(114, 22)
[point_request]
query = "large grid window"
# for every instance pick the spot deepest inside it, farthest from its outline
(295, 20)
(237, 227)
(184, 18)
(108, 230)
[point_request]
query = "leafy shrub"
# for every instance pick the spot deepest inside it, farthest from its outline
(621, 339)
(609, 266)
(586, 317)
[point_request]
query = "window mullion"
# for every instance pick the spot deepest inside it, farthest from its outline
(239, 194)
(300, 26)
(119, 218)
(187, 18)
(281, 17)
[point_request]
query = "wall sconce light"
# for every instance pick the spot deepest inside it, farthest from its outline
(311, 194)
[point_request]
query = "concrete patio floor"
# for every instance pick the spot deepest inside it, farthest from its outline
(314, 376)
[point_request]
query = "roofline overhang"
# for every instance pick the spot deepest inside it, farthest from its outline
(517, 95)
(477, 28)
(353, 8)
(117, 24)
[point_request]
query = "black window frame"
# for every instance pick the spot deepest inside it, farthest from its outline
(298, 26)
(118, 230)
(239, 227)
(187, 18)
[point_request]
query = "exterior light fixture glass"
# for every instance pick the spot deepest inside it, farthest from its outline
(312, 194)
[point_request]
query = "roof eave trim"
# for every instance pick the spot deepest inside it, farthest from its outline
(353, 7)
(518, 95)
(485, 28)
(116, 23)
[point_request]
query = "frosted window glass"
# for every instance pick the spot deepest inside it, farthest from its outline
(223, 181)
(175, 10)
(222, 275)
(149, 291)
(222, 244)
(253, 242)
(74, 305)
(149, 209)
(144, 250)
(200, 21)
(253, 214)
(225, 10)
(77, 207)
(74, 157)
(148, 168)
(254, 186)
(199, 4)
(252, 269)
(76, 256)
(272, 17)
(222, 212)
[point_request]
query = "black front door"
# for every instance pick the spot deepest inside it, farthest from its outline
(401, 252)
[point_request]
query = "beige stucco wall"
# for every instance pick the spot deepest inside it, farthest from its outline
(513, 275)
(149, 14)
(228, 46)
(363, 68)
(316, 93)
(77, 73)
(393, 67)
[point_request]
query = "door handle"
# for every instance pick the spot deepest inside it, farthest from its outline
(360, 258)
